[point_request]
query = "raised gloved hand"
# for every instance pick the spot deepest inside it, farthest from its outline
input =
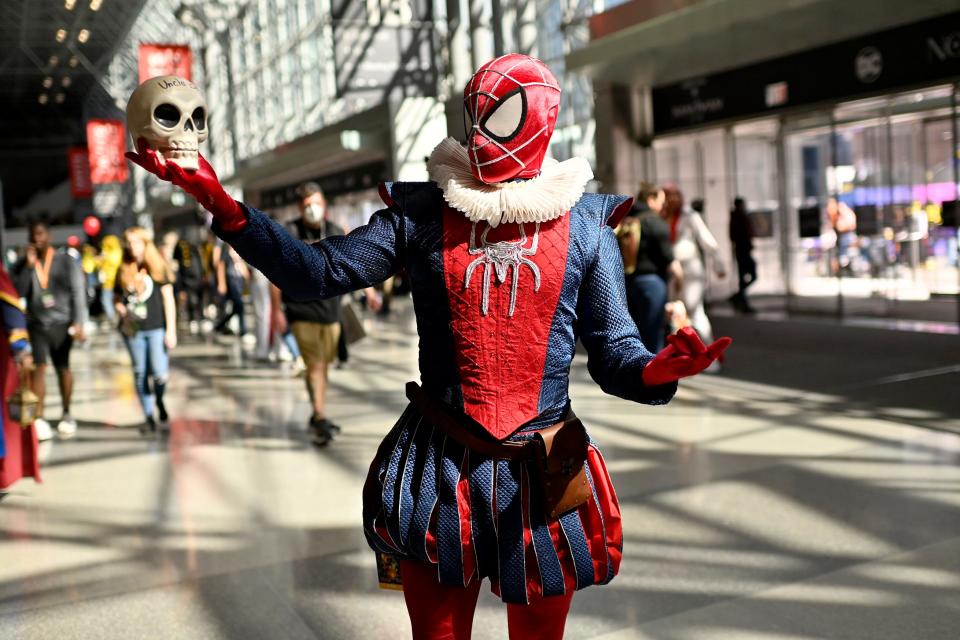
(202, 184)
(685, 355)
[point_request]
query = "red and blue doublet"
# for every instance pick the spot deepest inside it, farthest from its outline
(496, 344)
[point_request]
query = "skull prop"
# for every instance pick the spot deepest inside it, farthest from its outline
(171, 114)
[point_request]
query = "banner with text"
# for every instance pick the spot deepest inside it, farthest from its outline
(78, 160)
(106, 145)
(165, 60)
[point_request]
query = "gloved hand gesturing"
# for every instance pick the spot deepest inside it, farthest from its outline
(685, 355)
(202, 184)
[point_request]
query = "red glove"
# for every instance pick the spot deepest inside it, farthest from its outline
(202, 184)
(685, 355)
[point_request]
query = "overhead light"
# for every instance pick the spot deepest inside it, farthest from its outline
(60, 97)
(61, 35)
(95, 4)
(43, 98)
(83, 36)
(69, 4)
(73, 62)
(48, 82)
(65, 81)
(54, 61)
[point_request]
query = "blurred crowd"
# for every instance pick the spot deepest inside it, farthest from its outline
(151, 290)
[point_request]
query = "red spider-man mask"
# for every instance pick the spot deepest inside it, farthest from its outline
(510, 109)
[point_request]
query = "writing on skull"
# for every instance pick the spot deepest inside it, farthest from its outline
(168, 115)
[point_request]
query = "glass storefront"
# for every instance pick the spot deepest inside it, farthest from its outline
(846, 201)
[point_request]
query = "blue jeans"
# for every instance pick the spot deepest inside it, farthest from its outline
(150, 360)
(291, 343)
(646, 298)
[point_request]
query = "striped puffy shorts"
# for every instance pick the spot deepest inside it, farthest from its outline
(428, 498)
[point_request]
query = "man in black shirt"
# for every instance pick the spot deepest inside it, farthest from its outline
(53, 285)
(316, 324)
(649, 264)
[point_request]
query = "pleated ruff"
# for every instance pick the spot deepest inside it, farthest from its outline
(428, 498)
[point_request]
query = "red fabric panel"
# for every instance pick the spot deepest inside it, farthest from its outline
(532, 567)
(618, 214)
(466, 523)
(613, 526)
(501, 358)
(431, 541)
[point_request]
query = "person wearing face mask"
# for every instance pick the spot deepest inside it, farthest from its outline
(315, 323)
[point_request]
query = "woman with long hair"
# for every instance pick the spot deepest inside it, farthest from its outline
(693, 244)
(148, 319)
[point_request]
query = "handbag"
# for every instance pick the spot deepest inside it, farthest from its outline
(557, 453)
(353, 330)
(560, 462)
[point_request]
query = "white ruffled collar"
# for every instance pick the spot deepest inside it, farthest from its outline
(547, 197)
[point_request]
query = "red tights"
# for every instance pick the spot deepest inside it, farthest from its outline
(439, 612)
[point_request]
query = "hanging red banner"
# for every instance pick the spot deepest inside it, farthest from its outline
(106, 145)
(165, 60)
(79, 164)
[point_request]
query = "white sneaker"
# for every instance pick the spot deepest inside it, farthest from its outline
(44, 431)
(67, 427)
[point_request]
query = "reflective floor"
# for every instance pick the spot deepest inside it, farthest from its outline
(756, 505)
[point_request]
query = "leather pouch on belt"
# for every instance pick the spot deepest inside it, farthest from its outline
(560, 457)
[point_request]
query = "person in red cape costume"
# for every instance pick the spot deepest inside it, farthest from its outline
(18, 445)
(510, 261)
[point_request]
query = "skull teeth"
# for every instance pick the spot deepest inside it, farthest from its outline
(181, 147)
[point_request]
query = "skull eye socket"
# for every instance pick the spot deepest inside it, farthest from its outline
(167, 115)
(199, 117)
(506, 120)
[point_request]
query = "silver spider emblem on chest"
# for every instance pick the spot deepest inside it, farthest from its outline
(499, 258)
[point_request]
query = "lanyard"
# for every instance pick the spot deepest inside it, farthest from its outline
(43, 275)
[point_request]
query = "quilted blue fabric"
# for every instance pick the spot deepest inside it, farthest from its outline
(411, 493)
(408, 234)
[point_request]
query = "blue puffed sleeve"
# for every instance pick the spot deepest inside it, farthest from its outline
(331, 267)
(615, 354)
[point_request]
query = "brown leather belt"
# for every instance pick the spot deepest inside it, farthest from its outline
(457, 426)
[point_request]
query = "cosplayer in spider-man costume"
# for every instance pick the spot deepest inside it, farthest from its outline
(510, 262)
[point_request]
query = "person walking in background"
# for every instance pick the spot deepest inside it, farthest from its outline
(316, 323)
(208, 296)
(52, 284)
(148, 320)
(692, 245)
(233, 275)
(262, 316)
(111, 256)
(844, 223)
(281, 330)
(18, 443)
(189, 283)
(649, 264)
(741, 235)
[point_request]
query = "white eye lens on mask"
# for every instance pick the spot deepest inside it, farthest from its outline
(313, 213)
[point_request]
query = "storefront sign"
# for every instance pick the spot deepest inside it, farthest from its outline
(106, 145)
(78, 161)
(920, 53)
(165, 60)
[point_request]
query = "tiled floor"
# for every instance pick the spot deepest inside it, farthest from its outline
(752, 510)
